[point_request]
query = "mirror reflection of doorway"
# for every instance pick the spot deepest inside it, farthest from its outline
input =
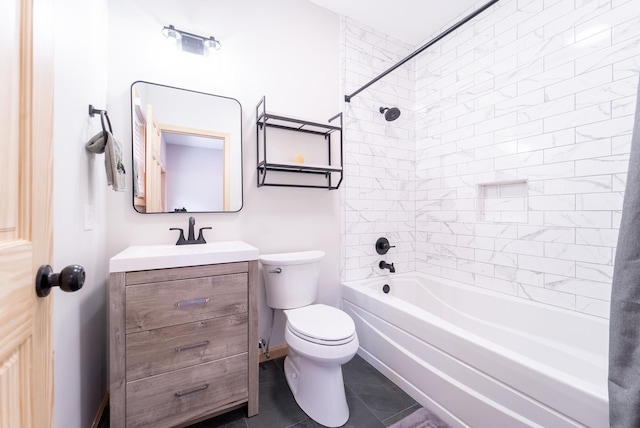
(181, 169)
(196, 164)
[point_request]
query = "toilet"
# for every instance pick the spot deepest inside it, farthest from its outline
(319, 338)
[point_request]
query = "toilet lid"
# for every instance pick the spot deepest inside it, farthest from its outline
(321, 324)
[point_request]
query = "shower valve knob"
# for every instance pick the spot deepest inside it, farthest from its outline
(382, 246)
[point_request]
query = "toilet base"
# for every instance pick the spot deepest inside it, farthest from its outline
(318, 389)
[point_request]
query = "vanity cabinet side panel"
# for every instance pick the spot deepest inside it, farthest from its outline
(252, 296)
(116, 325)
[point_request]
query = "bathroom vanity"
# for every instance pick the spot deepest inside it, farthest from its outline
(182, 333)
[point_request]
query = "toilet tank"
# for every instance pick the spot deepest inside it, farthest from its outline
(291, 279)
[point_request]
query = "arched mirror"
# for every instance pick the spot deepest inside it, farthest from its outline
(187, 150)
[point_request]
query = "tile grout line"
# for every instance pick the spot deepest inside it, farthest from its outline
(363, 403)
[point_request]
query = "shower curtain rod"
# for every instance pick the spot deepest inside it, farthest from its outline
(421, 49)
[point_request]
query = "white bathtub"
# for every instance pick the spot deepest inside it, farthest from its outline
(479, 358)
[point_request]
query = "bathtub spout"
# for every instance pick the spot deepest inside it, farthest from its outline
(385, 265)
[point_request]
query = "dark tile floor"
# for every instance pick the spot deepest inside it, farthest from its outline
(374, 401)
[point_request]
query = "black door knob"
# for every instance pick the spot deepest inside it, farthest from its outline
(70, 279)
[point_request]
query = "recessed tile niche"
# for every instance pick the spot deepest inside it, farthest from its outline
(503, 202)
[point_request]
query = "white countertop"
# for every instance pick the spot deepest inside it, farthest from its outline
(145, 257)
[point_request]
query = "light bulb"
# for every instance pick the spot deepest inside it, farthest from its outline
(211, 44)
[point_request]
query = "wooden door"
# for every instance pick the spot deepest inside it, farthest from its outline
(154, 179)
(26, 129)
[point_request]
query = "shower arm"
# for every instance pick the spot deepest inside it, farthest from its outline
(424, 47)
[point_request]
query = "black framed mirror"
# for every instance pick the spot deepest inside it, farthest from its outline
(186, 150)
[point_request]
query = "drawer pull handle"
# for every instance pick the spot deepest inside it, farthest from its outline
(192, 390)
(195, 345)
(200, 301)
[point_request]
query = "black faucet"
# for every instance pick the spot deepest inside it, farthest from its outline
(191, 236)
(385, 265)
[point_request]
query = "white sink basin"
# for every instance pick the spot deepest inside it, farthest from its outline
(145, 257)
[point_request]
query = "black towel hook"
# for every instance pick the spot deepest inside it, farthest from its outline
(93, 110)
(103, 116)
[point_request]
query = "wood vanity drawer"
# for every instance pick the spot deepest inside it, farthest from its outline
(168, 399)
(150, 306)
(161, 275)
(152, 352)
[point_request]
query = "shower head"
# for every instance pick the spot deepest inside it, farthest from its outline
(390, 114)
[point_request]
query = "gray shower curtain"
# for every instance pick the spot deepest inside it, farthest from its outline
(624, 328)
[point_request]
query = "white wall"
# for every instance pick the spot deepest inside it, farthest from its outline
(287, 50)
(542, 92)
(194, 178)
(79, 180)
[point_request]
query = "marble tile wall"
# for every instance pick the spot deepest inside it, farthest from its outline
(540, 92)
(378, 194)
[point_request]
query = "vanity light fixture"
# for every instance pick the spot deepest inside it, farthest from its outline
(190, 42)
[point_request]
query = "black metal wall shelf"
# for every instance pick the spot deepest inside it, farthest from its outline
(332, 171)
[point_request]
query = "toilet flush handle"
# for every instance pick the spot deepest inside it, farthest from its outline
(276, 270)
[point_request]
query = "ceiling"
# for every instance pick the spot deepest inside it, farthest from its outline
(412, 21)
(199, 141)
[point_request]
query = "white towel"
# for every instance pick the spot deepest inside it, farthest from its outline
(112, 158)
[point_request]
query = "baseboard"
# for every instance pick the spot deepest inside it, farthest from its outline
(277, 352)
(103, 405)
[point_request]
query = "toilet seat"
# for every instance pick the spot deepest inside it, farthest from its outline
(321, 324)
